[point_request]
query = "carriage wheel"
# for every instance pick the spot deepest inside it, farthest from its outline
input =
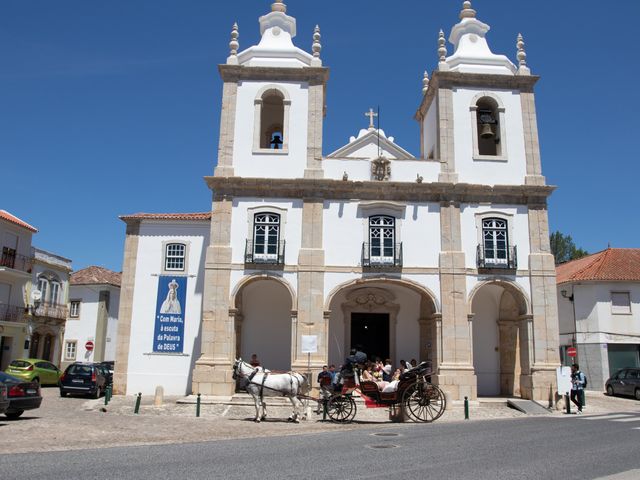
(424, 402)
(341, 408)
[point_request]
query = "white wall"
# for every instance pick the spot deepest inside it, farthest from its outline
(147, 370)
(511, 172)
(345, 228)
(401, 170)
(269, 165)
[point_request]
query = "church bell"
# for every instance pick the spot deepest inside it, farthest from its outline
(486, 131)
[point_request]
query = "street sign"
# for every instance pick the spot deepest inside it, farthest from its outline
(88, 346)
(572, 352)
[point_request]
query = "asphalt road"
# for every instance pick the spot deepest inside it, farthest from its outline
(572, 447)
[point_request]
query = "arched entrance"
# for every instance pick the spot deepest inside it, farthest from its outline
(387, 317)
(501, 333)
(263, 318)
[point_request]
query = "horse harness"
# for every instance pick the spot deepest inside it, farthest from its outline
(264, 379)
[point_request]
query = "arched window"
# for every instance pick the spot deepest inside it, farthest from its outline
(495, 241)
(174, 257)
(488, 127)
(55, 292)
(272, 120)
(266, 236)
(382, 234)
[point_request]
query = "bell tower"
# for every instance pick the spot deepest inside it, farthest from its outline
(273, 104)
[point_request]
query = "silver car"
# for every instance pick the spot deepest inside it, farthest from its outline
(625, 382)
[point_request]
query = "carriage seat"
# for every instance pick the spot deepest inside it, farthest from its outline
(369, 388)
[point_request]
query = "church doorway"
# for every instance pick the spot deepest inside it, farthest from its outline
(370, 333)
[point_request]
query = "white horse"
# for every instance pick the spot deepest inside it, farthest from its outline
(260, 383)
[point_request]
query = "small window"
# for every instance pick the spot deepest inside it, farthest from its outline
(43, 286)
(174, 257)
(55, 293)
(382, 233)
(620, 302)
(74, 308)
(266, 234)
(70, 350)
(495, 240)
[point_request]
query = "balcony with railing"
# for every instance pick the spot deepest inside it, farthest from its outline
(10, 259)
(376, 256)
(497, 259)
(12, 313)
(269, 254)
(51, 310)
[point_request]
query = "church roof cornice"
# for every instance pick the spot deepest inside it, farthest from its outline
(532, 195)
(447, 79)
(235, 73)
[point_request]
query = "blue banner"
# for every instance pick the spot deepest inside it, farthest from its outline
(168, 336)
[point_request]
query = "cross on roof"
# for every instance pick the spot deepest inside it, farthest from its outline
(371, 114)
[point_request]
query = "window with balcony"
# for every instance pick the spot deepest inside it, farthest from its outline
(55, 293)
(266, 246)
(494, 251)
(382, 249)
(43, 286)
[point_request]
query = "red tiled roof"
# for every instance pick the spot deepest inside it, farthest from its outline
(612, 264)
(13, 219)
(95, 276)
(167, 216)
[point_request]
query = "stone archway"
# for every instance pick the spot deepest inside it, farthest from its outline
(411, 310)
(264, 321)
(501, 336)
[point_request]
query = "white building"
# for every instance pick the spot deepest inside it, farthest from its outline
(50, 277)
(16, 265)
(94, 299)
(441, 256)
(599, 311)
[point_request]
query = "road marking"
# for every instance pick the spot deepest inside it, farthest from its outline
(632, 419)
(608, 417)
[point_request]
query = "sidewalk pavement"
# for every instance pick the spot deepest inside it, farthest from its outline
(77, 423)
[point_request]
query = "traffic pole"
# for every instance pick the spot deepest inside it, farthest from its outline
(198, 406)
(466, 408)
(138, 400)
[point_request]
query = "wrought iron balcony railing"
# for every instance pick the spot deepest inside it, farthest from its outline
(506, 259)
(12, 313)
(51, 310)
(272, 254)
(11, 259)
(379, 257)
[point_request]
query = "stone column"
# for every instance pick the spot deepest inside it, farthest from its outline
(224, 166)
(311, 319)
(544, 305)
(455, 373)
(509, 361)
(212, 373)
(315, 115)
(531, 144)
(445, 138)
(126, 307)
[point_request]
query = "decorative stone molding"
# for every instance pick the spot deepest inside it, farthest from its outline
(381, 169)
(531, 195)
(235, 73)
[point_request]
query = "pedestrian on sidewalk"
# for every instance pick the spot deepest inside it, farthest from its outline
(577, 386)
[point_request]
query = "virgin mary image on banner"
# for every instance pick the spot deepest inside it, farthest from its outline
(171, 304)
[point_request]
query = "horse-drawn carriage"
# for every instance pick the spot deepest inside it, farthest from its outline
(414, 395)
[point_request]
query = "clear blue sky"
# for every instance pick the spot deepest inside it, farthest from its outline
(108, 108)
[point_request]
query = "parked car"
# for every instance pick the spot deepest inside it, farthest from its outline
(624, 382)
(4, 399)
(84, 378)
(34, 370)
(109, 364)
(22, 395)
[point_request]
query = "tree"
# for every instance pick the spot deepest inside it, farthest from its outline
(564, 249)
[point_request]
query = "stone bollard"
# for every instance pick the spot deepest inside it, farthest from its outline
(158, 400)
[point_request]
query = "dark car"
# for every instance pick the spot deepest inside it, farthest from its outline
(4, 400)
(22, 395)
(108, 365)
(84, 378)
(624, 382)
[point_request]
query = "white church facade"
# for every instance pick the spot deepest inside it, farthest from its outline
(443, 256)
